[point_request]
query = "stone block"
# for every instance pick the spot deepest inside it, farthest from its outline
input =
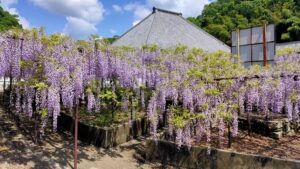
(286, 127)
(276, 135)
(105, 137)
(294, 125)
(121, 134)
(275, 125)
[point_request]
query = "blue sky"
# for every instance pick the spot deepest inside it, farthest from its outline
(80, 18)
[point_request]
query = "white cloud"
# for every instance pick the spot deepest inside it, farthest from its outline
(186, 7)
(139, 11)
(79, 28)
(86, 12)
(6, 4)
(117, 8)
(24, 22)
(90, 10)
(131, 6)
(113, 31)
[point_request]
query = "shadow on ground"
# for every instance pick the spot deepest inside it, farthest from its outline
(18, 151)
(18, 148)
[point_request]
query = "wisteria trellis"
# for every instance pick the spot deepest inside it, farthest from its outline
(195, 90)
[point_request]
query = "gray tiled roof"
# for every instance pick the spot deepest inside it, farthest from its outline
(167, 29)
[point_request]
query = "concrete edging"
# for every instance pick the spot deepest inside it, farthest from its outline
(104, 137)
(167, 153)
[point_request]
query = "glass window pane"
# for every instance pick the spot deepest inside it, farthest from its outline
(245, 37)
(245, 52)
(257, 52)
(270, 51)
(233, 38)
(257, 35)
(233, 50)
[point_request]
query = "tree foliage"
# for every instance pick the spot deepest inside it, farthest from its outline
(8, 21)
(111, 40)
(219, 18)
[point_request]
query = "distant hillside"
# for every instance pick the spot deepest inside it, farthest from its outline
(219, 18)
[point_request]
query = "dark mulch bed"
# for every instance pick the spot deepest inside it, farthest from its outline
(287, 147)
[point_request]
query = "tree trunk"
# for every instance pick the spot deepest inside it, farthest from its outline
(10, 84)
(229, 136)
(10, 92)
(249, 123)
(112, 111)
(131, 108)
(36, 135)
(4, 86)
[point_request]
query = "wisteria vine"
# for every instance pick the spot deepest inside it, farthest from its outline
(193, 90)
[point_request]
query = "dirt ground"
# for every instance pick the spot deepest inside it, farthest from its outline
(17, 151)
(287, 147)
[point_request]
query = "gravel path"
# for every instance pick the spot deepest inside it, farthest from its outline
(17, 151)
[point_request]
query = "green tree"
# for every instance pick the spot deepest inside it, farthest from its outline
(223, 16)
(111, 39)
(8, 21)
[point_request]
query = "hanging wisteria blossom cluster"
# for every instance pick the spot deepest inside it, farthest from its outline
(192, 90)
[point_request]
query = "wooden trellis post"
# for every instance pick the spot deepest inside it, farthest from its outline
(265, 44)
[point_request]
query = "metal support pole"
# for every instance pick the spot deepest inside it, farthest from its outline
(75, 115)
(238, 42)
